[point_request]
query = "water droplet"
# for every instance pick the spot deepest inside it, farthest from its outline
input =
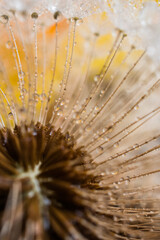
(79, 21)
(56, 108)
(96, 108)
(43, 97)
(21, 74)
(4, 19)
(62, 103)
(96, 78)
(57, 15)
(34, 133)
(96, 34)
(110, 129)
(101, 93)
(136, 107)
(114, 173)
(100, 149)
(34, 15)
(136, 146)
(10, 115)
(41, 75)
(126, 181)
(88, 128)
(78, 121)
(36, 97)
(9, 44)
(59, 112)
(24, 90)
(22, 114)
(116, 145)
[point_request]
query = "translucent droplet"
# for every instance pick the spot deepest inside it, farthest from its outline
(116, 145)
(60, 113)
(96, 34)
(110, 129)
(136, 146)
(34, 15)
(62, 103)
(136, 107)
(88, 128)
(22, 114)
(36, 97)
(56, 108)
(106, 139)
(24, 90)
(10, 115)
(34, 133)
(41, 75)
(78, 121)
(101, 93)
(43, 97)
(4, 19)
(79, 21)
(96, 78)
(21, 74)
(127, 181)
(100, 149)
(96, 108)
(9, 44)
(57, 15)
(114, 173)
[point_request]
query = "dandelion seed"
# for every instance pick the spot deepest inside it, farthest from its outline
(79, 128)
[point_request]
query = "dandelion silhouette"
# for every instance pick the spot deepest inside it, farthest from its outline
(79, 146)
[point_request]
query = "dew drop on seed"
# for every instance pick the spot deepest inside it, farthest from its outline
(116, 145)
(21, 74)
(36, 97)
(4, 19)
(96, 78)
(114, 173)
(79, 121)
(96, 108)
(136, 146)
(101, 93)
(110, 129)
(10, 115)
(88, 128)
(106, 139)
(31, 194)
(21, 97)
(34, 133)
(136, 107)
(22, 114)
(96, 34)
(79, 21)
(62, 103)
(59, 113)
(34, 15)
(127, 181)
(41, 74)
(24, 90)
(57, 15)
(43, 97)
(100, 149)
(9, 45)
(56, 108)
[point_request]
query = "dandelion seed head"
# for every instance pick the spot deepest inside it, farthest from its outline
(79, 122)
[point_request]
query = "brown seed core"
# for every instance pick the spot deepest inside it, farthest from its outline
(52, 173)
